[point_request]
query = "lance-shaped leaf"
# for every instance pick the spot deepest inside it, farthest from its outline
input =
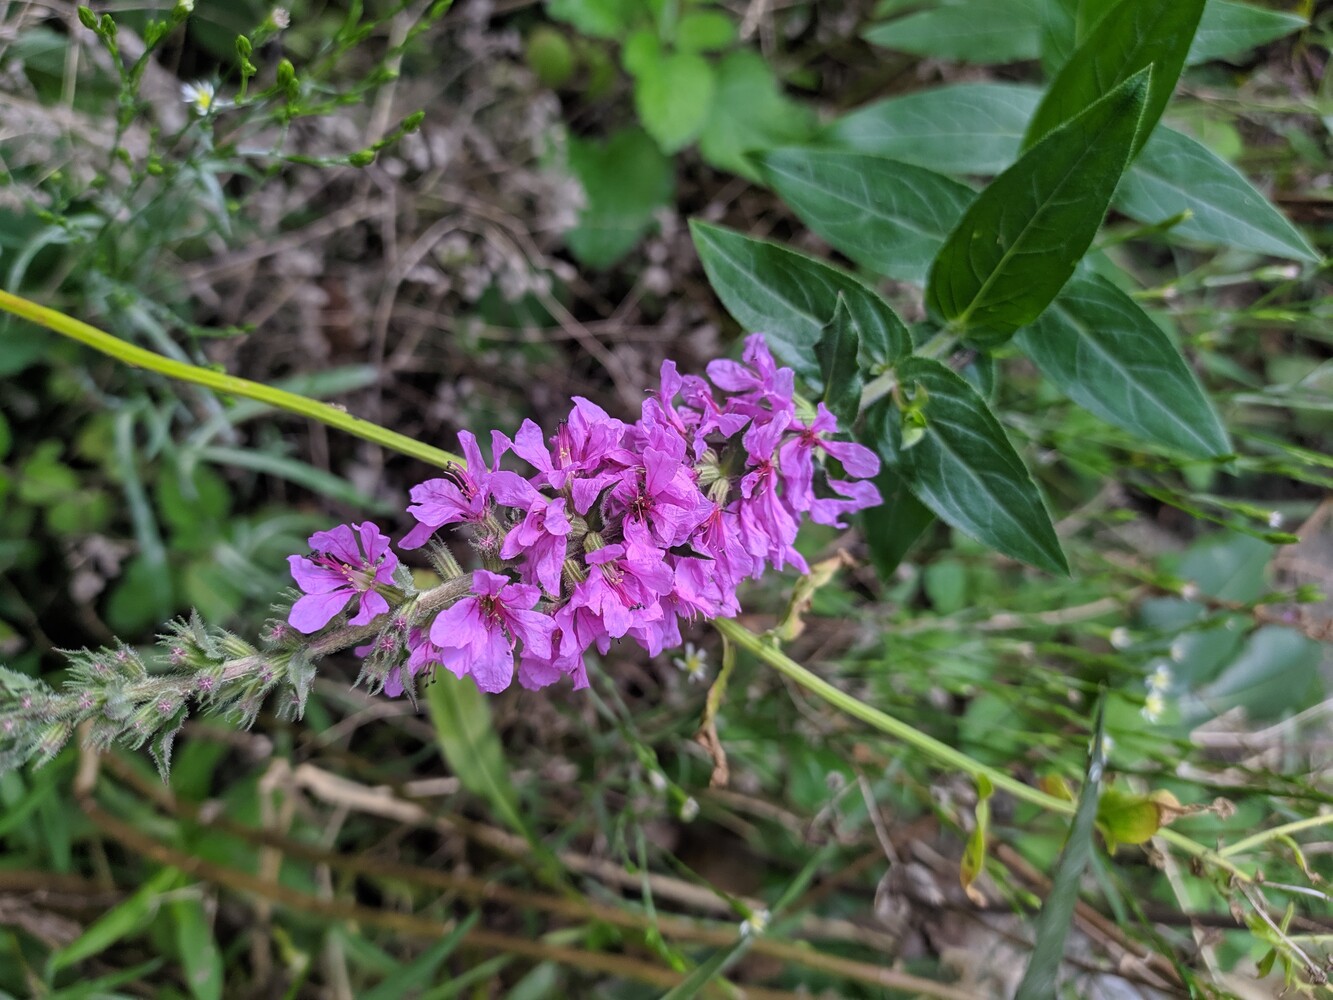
(1105, 353)
(892, 528)
(963, 466)
(1231, 29)
(1057, 913)
(997, 31)
(1133, 35)
(887, 216)
(1175, 173)
(789, 297)
(837, 350)
(1019, 242)
(962, 128)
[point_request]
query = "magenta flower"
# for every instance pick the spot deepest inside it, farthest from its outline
(581, 445)
(662, 504)
(543, 535)
(348, 561)
(462, 496)
(796, 459)
(422, 655)
(622, 590)
(483, 630)
(761, 386)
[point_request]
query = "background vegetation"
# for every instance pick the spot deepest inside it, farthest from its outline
(458, 218)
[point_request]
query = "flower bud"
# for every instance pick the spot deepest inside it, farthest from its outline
(87, 18)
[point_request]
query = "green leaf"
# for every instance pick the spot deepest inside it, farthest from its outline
(750, 112)
(673, 94)
(1057, 913)
(964, 468)
(1233, 29)
(199, 954)
(423, 971)
(789, 297)
(704, 31)
(887, 216)
(1065, 24)
(997, 31)
(1275, 674)
(1174, 173)
(837, 350)
(892, 528)
(470, 746)
(964, 128)
(1020, 240)
(123, 920)
(625, 179)
(1105, 353)
(599, 18)
(974, 852)
(1133, 36)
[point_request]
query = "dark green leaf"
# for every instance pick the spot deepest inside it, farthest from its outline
(1057, 913)
(1065, 24)
(888, 216)
(423, 971)
(837, 350)
(1276, 674)
(1105, 353)
(997, 31)
(750, 112)
(199, 955)
(1134, 35)
(964, 128)
(126, 918)
(625, 180)
(1020, 241)
(789, 297)
(1175, 173)
(1233, 29)
(892, 528)
(964, 468)
(470, 746)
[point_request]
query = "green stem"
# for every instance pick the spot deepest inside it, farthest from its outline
(1263, 836)
(219, 382)
(942, 752)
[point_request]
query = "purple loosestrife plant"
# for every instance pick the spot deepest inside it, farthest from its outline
(619, 530)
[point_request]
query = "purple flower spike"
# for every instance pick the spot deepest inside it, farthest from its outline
(348, 561)
(758, 380)
(484, 628)
(796, 459)
(543, 535)
(462, 496)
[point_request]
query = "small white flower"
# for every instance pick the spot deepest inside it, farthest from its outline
(1160, 679)
(756, 923)
(689, 809)
(1120, 637)
(1190, 592)
(1153, 706)
(694, 663)
(658, 780)
(200, 95)
(1275, 519)
(1177, 651)
(280, 18)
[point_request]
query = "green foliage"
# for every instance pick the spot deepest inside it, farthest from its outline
(1019, 242)
(625, 180)
(790, 297)
(954, 455)
(1104, 352)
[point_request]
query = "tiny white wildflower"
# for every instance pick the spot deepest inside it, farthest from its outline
(755, 923)
(200, 95)
(1153, 706)
(1120, 637)
(694, 663)
(280, 18)
(1177, 651)
(1160, 679)
(689, 809)
(658, 780)
(1108, 743)
(1275, 519)
(1190, 591)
